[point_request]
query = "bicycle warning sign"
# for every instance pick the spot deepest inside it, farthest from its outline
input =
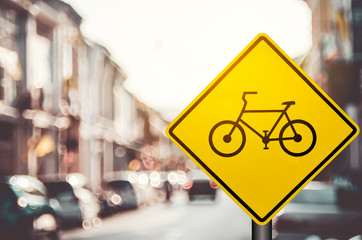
(262, 129)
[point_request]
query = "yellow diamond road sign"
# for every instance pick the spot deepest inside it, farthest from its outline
(262, 129)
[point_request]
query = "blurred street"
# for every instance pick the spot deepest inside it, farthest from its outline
(84, 152)
(180, 219)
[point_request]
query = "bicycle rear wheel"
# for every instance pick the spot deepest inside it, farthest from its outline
(297, 138)
(225, 144)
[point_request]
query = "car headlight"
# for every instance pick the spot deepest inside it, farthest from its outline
(45, 222)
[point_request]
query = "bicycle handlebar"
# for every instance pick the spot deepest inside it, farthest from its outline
(244, 94)
(250, 93)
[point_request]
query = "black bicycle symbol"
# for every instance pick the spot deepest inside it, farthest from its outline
(225, 130)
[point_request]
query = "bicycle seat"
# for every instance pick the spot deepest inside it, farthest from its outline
(288, 103)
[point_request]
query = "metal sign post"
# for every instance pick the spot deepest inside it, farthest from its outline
(261, 232)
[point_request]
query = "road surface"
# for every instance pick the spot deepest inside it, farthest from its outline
(180, 219)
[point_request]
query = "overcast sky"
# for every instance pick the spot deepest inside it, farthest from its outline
(170, 50)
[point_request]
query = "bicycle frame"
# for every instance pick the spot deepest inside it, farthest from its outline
(266, 138)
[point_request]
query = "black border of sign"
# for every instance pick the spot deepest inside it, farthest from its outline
(262, 219)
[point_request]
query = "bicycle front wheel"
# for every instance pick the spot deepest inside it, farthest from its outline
(227, 138)
(297, 138)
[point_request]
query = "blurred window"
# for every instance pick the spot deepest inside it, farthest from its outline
(10, 68)
(64, 195)
(320, 196)
(26, 186)
(32, 191)
(40, 52)
(61, 191)
(120, 185)
(6, 196)
(8, 29)
(6, 147)
(44, 30)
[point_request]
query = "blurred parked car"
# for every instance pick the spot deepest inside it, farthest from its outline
(124, 190)
(120, 195)
(200, 186)
(68, 208)
(318, 211)
(359, 237)
(25, 212)
(77, 205)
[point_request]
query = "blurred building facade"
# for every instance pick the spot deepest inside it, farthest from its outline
(334, 62)
(12, 79)
(63, 107)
